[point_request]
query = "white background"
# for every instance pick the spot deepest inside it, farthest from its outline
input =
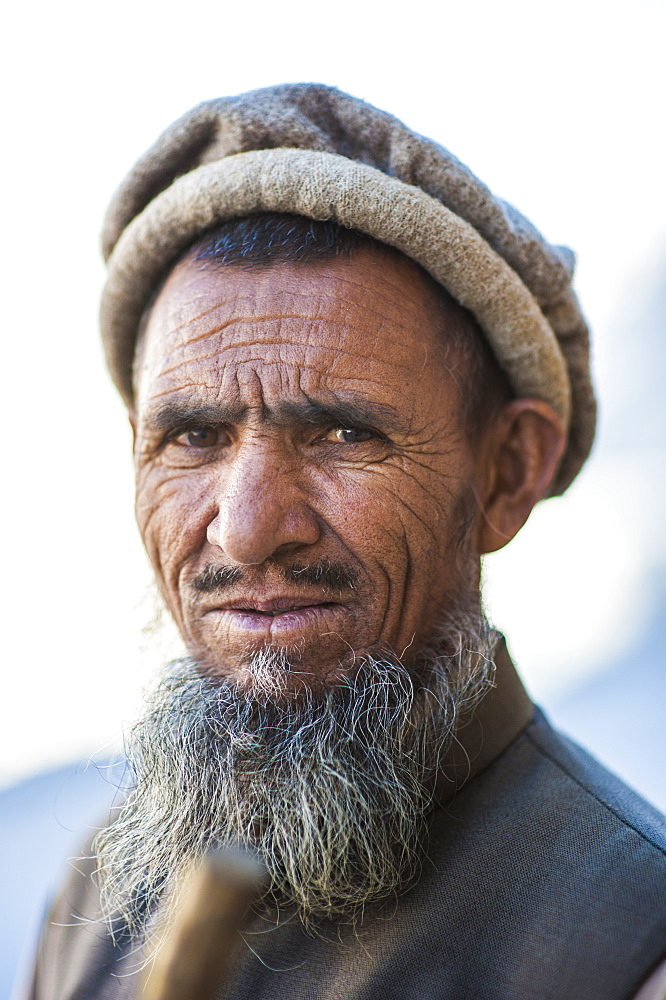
(558, 107)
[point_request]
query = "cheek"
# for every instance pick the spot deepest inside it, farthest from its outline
(173, 511)
(397, 517)
(407, 499)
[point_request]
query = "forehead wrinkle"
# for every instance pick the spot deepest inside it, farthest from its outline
(385, 331)
(351, 304)
(379, 383)
(325, 295)
(261, 359)
(341, 303)
(286, 295)
(358, 398)
(171, 390)
(416, 303)
(310, 322)
(294, 287)
(278, 318)
(331, 290)
(178, 326)
(220, 304)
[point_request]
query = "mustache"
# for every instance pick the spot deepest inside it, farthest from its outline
(326, 574)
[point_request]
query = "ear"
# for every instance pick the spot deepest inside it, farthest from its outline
(521, 452)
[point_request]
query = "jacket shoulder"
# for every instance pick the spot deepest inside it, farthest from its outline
(599, 788)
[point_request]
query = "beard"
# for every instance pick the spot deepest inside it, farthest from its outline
(330, 790)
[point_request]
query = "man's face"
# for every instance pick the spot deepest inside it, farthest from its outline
(303, 475)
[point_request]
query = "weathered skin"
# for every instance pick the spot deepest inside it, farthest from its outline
(248, 474)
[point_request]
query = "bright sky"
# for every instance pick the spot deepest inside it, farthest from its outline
(558, 107)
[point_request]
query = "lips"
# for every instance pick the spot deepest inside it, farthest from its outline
(271, 607)
(283, 612)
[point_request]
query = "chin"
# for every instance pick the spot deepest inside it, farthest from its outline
(269, 670)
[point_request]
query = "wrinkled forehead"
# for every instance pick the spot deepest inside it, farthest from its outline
(367, 325)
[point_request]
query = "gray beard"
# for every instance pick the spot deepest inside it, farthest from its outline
(330, 790)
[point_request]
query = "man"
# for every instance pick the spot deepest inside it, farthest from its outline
(350, 371)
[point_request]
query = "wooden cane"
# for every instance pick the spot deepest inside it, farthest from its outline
(196, 956)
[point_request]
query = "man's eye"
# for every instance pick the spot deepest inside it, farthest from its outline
(348, 435)
(203, 437)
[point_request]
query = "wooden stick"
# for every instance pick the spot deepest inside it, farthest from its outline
(197, 954)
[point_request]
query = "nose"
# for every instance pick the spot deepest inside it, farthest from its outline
(262, 507)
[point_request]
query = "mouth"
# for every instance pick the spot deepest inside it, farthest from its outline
(281, 613)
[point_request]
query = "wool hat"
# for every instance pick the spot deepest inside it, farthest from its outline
(312, 150)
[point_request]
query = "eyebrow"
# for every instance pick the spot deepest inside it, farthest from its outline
(343, 412)
(176, 415)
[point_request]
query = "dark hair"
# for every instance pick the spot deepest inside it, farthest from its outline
(265, 240)
(270, 239)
